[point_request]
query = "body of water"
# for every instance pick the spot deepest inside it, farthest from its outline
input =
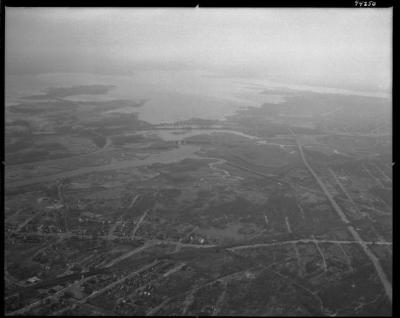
(171, 95)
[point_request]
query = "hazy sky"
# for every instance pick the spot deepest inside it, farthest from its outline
(326, 47)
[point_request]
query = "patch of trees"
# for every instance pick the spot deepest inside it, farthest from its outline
(123, 139)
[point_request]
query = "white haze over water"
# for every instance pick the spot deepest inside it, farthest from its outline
(198, 62)
(170, 95)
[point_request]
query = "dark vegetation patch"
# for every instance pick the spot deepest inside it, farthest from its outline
(306, 130)
(312, 103)
(40, 152)
(78, 90)
(128, 121)
(201, 122)
(22, 270)
(58, 92)
(204, 194)
(177, 178)
(350, 167)
(17, 128)
(170, 193)
(256, 120)
(18, 145)
(320, 158)
(110, 104)
(219, 214)
(98, 139)
(42, 107)
(204, 298)
(350, 286)
(384, 194)
(187, 165)
(162, 145)
(120, 140)
(282, 204)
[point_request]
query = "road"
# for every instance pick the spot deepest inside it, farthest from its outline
(23, 310)
(139, 223)
(156, 309)
(349, 263)
(109, 286)
(380, 237)
(134, 162)
(320, 253)
(178, 267)
(304, 241)
(127, 255)
(113, 228)
(7, 219)
(11, 279)
(345, 192)
(62, 200)
(174, 270)
(134, 199)
(375, 261)
(220, 300)
(288, 225)
(121, 280)
(119, 222)
(107, 238)
(29, 219)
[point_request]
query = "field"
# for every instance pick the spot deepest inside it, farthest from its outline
(278, 210)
